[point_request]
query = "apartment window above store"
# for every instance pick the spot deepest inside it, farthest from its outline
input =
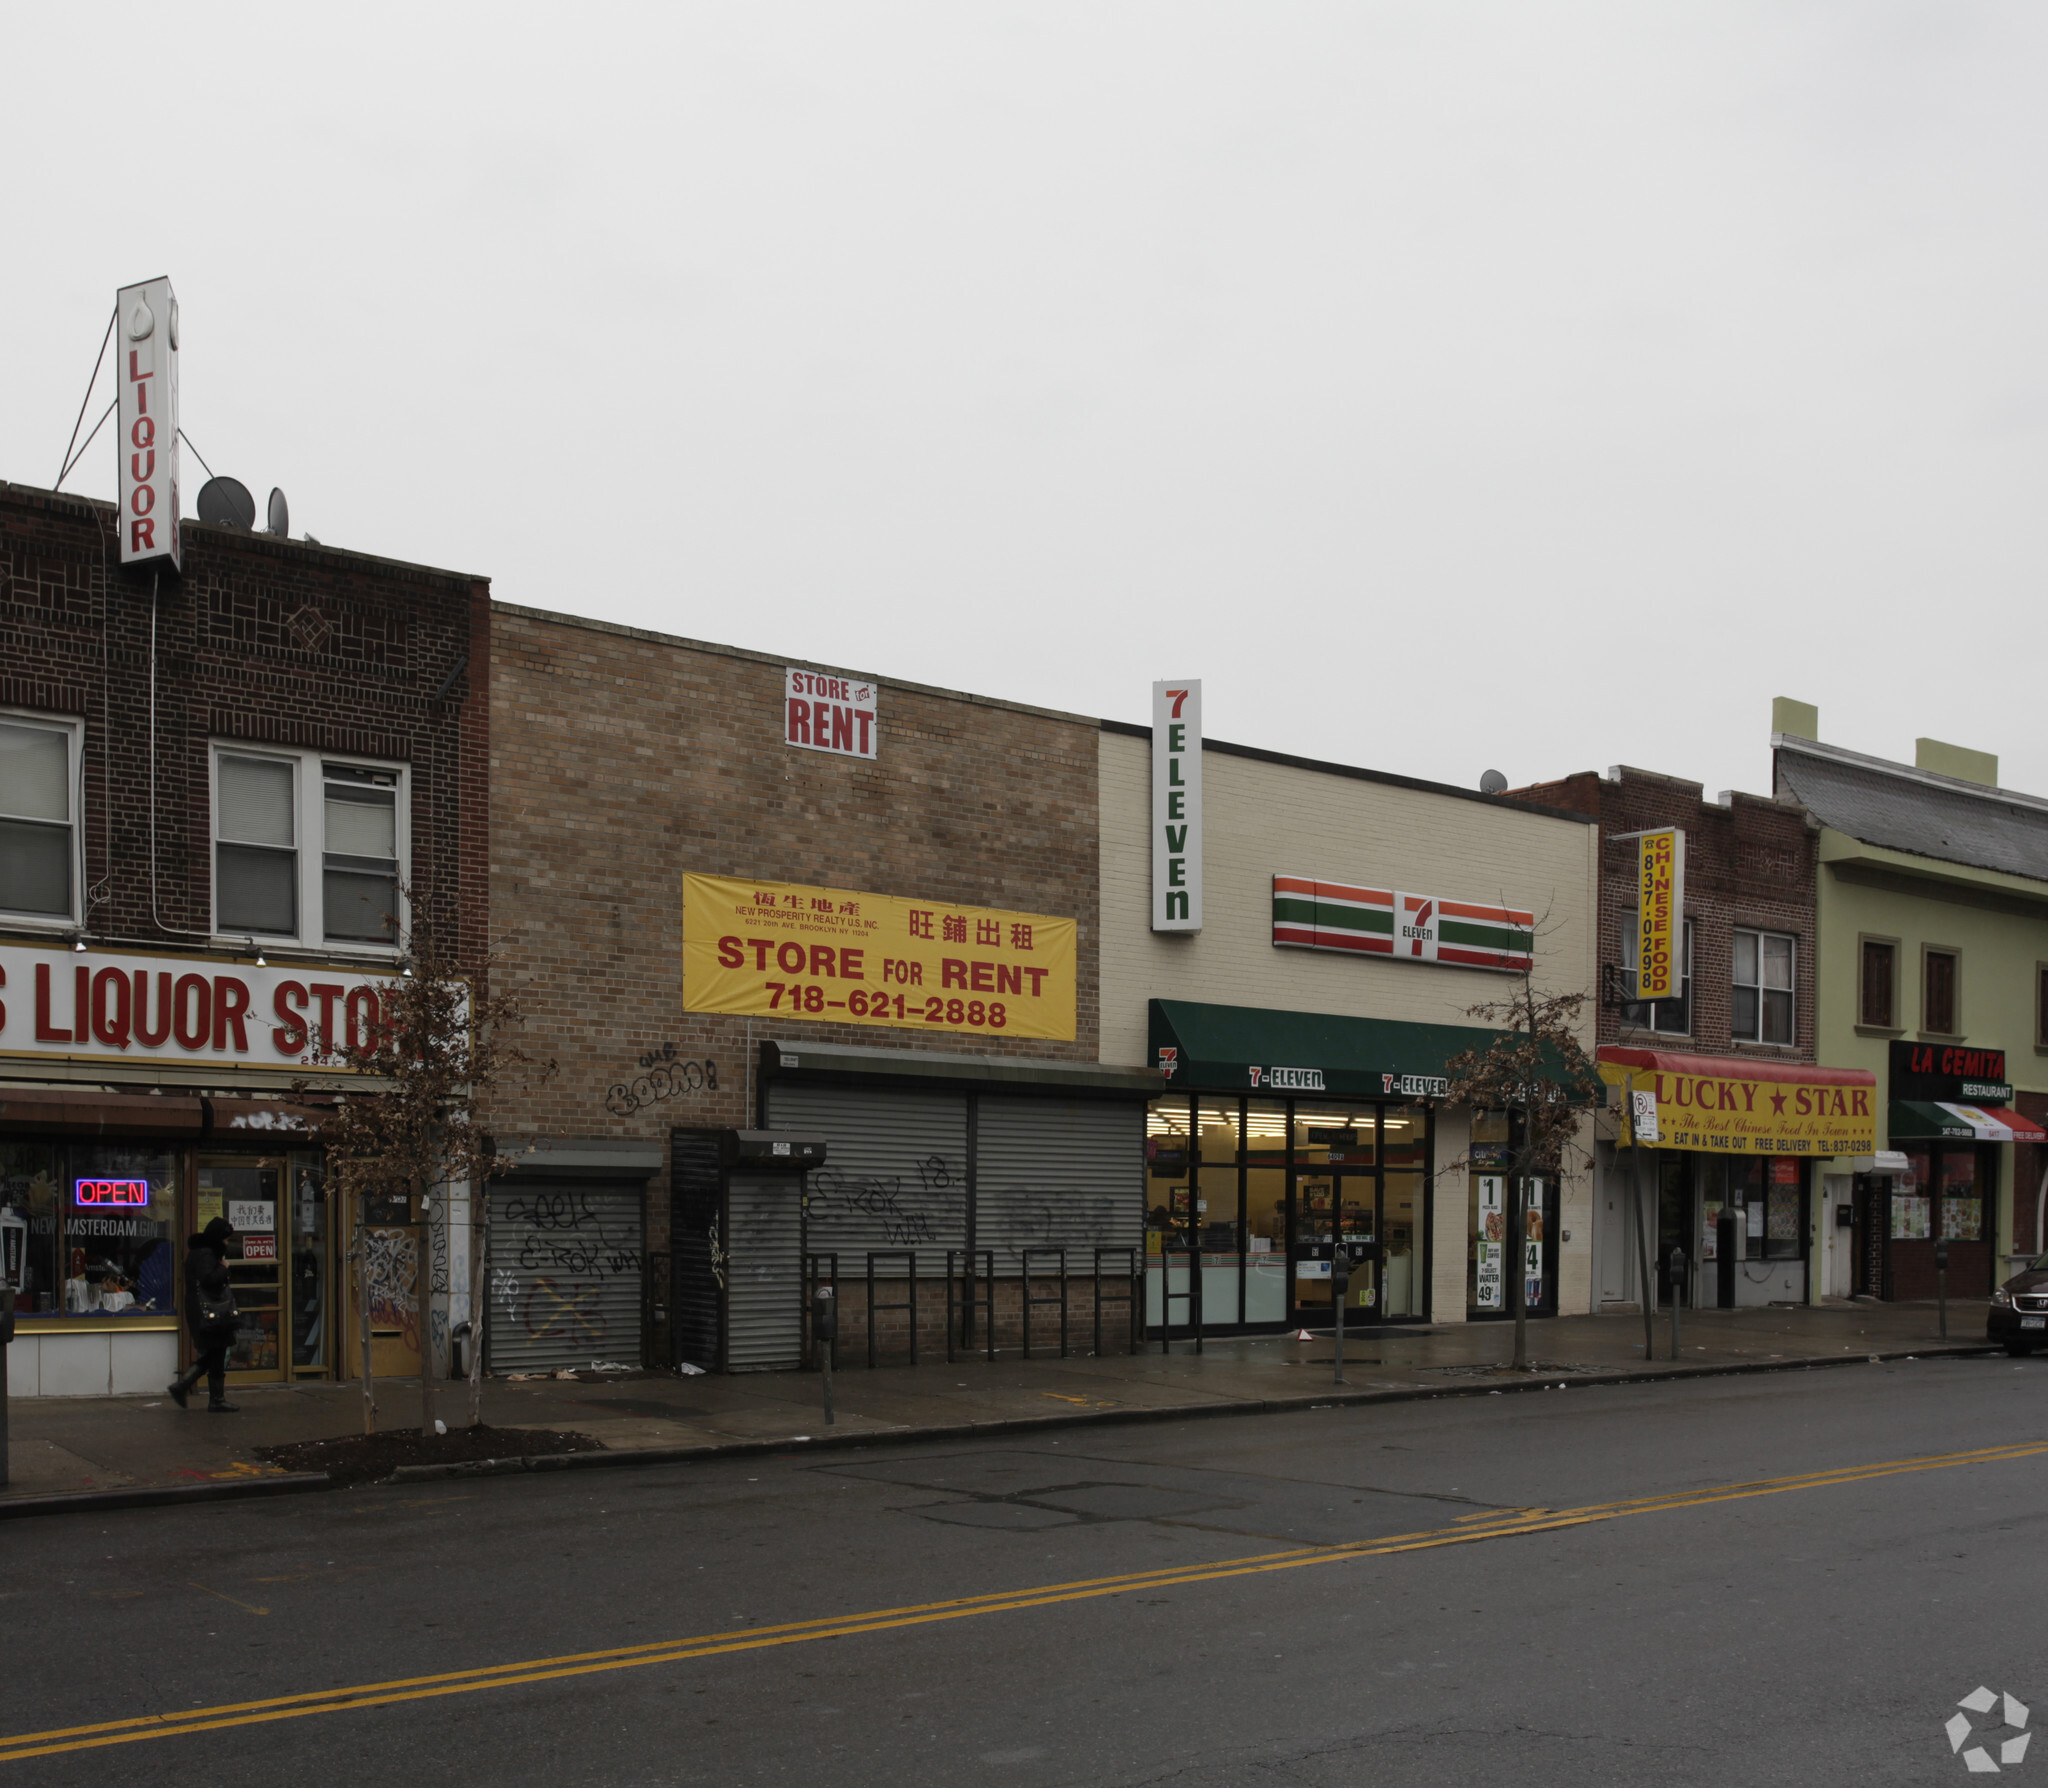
(307, 848)
(1763, 963)
(1673, 1016)
(39, 806)
(2041, 1005)
(1877, 991)
(1941, 973)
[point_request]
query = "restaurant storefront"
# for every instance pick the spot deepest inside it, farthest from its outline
(1734, 1172)
(186, 1119)
(1346, 1139)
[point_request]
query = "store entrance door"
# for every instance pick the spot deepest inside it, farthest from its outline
(1332, 1204)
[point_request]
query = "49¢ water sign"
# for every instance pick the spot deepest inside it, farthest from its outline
(832, 955)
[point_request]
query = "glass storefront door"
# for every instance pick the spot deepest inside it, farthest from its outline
(283, 1278)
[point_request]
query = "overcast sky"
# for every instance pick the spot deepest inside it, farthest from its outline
(1531, 385)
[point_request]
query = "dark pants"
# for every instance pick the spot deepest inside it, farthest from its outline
(210, 1362)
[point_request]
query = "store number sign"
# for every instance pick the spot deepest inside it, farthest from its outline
(782, 950)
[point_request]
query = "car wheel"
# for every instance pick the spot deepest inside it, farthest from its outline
(2019, 1349)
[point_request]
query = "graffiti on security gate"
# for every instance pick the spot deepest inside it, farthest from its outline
(561, 1257)
(564, 1311)
(876, 1199)
(391, 1261)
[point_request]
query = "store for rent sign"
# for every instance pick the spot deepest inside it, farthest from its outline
(146, 375)
(827, 713)
(1177, 805)
(103, 1007)
(783, 950)
(1660, 915)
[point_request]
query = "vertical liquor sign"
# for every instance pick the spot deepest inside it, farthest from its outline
(146, 370)
(1177, 805)
(1660, 915)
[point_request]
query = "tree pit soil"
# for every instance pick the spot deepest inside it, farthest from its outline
(370, 1458)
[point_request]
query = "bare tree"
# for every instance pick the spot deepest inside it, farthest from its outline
(1535, 1070)
(439, 1045)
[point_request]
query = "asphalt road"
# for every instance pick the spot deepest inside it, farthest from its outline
(1558, 1587)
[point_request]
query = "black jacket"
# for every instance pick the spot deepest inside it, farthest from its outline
(206, 1274)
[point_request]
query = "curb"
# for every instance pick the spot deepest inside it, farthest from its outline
(942, 1431)
(141, 1496)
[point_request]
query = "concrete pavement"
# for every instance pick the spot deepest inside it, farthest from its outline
(63, 1446)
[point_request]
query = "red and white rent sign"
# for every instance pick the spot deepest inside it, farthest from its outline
(99, 1006)
(826, 713)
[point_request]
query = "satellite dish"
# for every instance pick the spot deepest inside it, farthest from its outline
(1492, 783)
(227, 503)
(280, 515)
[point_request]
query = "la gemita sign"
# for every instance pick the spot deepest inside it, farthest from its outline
(106, 1008)
(1177, 805)
(146, 374)
(821, 712)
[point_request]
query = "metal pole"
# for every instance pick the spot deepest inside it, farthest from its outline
(6, 1341)
(1941, 1283)
(1635, 1172)
(1677, 1281)
(1340, 1283)
(423, 1292)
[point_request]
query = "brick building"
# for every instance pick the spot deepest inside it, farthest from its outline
(1739, 1041)
(624, 762)
(213, 788)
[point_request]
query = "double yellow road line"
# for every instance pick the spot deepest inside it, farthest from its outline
(1491, 1525)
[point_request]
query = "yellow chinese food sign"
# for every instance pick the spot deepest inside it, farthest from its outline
(780, 950)
(1660, 915)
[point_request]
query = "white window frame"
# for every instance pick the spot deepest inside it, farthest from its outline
(1630, 954)
(1757, 986)
(309, 825)
(74, 732)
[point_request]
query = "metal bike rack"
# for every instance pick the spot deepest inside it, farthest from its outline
(1132, 1303)
(961, 1298)
(1059, 1298)
(909, 1257)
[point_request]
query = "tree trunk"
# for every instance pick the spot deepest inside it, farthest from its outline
(362, 1204)
(1518, 1254)
(423, 1293)
(479, 1206)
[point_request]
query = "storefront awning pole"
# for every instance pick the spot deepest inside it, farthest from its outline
(1648, 1300)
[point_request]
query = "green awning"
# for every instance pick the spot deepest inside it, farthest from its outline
(1257, 1049)
(1912, 1118)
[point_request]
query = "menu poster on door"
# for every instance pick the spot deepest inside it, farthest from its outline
(1532, 1273)
(1490, 1248)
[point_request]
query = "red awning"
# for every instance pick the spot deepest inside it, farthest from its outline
(2023, 1129)
(1733, 1067)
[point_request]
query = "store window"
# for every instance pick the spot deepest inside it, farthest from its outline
(1674, 1016)
(307, 848)
(39, 801)
(1763, 962)
(1486, 1232)
(1767, 1195)
(1878, 988)
(1267, 1289)
(89, 1230)
(1962, 1202)
(1169, 1171)
(1912, 1212)
(1940, 973)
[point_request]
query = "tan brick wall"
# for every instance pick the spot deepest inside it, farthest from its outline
(623, 759)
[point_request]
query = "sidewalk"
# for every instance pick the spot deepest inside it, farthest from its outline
(66, 1446)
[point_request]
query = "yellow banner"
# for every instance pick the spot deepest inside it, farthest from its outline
(1660, 915)
(1827, 1114)
(775, 949)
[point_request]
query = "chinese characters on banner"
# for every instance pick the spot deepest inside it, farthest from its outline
(1660, 915)
(777, 949)
(825, 713)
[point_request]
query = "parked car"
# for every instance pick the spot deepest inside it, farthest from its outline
(2019, 1310)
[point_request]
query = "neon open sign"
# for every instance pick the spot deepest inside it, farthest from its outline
(90, 1195)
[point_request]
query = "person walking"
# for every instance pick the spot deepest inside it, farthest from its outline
(209, 1317)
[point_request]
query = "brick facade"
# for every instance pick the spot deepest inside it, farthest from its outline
(623, 759)
(277, 642)
(1750, 863)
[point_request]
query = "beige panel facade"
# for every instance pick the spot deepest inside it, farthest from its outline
(1265, 816)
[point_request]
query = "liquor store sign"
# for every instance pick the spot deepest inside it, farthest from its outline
(98, 1006)
(833, 955)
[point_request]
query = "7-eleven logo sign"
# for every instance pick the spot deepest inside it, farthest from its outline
(1415, 926)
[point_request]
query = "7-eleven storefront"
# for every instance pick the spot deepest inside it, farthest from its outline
(1735, 1174)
